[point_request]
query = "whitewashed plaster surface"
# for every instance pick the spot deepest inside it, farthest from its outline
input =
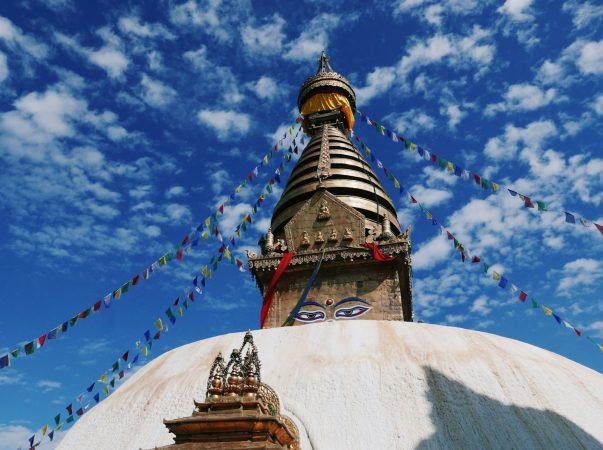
(373, 385)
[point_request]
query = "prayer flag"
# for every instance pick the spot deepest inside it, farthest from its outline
(145, 351)
(485, 267)
(83, 314)
(96, 397)
(31, 439)
(157, 335)
(546, 310)
(79, 412)
(513, 193)
(523, 296)
(44, 430)
(578, 332)
(412, 199)
(51, 435)
(557, 318)
(503, 282)
(115, 366)
(495, 187)
(103, 377)
(41, 340)
(53, 334)
(57, 419)
(450, 167)
(70, 418)
(112, 382)
(15, 352)
(162, 261)
(485, 183)
(599, 227)
(477, 178)
(117, 294)
(89, 388)
(106, 390)
(159, 324)
(147, 335)
(125, 355)
(135, 360)
(179, 255)
(95, 307)
(4, 361)
(121, 374)
(495, 275)
(221, 208)
(541, 206)
(29, 348)
(475, 259)
(569, 218)
(145, 274)
(527, 202)
(69, 408)
(125, 287)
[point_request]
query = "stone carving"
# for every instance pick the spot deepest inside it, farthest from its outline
(251, 255)
(319, 239)
(324, 160)
(333, 236)
(386, 234)
(305, 239)
(347, 234)
(280, 246)
(323, 211)
(269, 242)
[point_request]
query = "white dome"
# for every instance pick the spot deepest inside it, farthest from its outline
(373, 385)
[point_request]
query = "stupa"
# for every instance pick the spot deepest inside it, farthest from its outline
(359, 374)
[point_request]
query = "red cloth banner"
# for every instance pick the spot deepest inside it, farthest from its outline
(378, 255)
(282, 266)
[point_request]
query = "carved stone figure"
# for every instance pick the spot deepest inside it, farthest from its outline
(319, 239)
(323, 211)
(347, 234)
(333, 235)
(305, 239)
(280, 246)
(251, 255)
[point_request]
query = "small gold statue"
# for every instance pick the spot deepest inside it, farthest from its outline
(323, 211)
(333, 236)
(319, 239)
(305, 239)
(347, 234)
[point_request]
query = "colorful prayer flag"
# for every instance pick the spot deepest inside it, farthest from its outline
(546, 310)
(569, 218)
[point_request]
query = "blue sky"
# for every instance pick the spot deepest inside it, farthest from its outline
(122, 125)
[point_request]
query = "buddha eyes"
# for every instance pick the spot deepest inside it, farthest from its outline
(310, 316)
(351, 313)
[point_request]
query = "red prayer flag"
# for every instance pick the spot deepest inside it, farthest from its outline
(179, 255)
(450, 236)
(97, 306)
(191, 295)
(282, 266)
(477, 178)
(523, 296)
(176, 301)
(69, 409)
(250, 176)
(434, 158)
(378, 255)
(79, 412)
(135, 279)
(599, 227)
(185, 240)
(221, 208)
(578, 332)
(125, 356)
(475, 259)
(527, 202)
(41, 340)
(412, 199)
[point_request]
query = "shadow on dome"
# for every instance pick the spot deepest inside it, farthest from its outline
(466, 419)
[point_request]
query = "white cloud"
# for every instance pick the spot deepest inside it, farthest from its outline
(113, 61)
(227, 124)
(266, 88)
(595, 329)
(598, 105)
(315, 37)
(523, 97)
(581, 273)
(454, 113)
(156, 93)
(16, 39)
(177, 212)
(3, 67)
(412, 122)
(590, 60)
(431, 253)
(481, 305)
(48, 385)
(175, 191)
(550, 72)
(266, 39)
(378, 81)
(583, 12)
(429, 196)
(518, 10)
(133, 25)
(534, 135)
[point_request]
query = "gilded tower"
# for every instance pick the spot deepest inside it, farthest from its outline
(334, 214)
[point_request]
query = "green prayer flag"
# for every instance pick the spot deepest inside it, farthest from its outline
(15, 352)
(106, 390)
(69, 419)
(58, 427)
(112, 382)
(57, 419)
(169, 256)
(534, 304)
(29, 348)
(185, 304)
(115, 366)
(268, 188)
(485, 183)
(288, 157)
(486, 267)
(406, 144)
(125, 287)
(541, 206)
(73, 320)
(443, 163)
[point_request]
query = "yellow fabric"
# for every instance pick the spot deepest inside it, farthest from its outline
(326, 102)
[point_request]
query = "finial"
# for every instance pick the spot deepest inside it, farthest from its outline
(323, 63)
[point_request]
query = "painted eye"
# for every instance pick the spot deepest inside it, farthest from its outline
(351, 313)
(310, 316)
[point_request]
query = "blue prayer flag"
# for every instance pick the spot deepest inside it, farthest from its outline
(569, 218)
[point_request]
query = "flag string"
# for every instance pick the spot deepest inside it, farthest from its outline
(190, 240)
(118, 370)
(454, 169)
(502, 281)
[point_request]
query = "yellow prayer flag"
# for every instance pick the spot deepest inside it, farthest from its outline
(44, 430)
(145, 351)
(396, 183)
(205, 235)
(495, 275)
(290, 130)
(428, 215)
(207, 222)
(106, 390)
(117, 294)
(103, 377)
(162, 261)
(494, 187)
(159, 324)
(227, 253)
(450, 167)
(547, 311)
(180, 312)
(265, 159)
(238, 189)
(413, 147)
